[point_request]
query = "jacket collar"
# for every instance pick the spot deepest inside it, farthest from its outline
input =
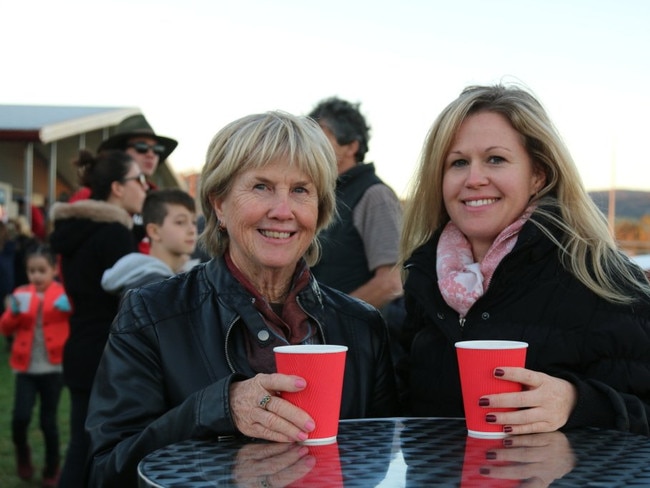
(235, 306)
(235, 296)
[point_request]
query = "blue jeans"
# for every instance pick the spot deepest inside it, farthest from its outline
(28, 386)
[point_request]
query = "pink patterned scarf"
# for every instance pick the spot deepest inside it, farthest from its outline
(460, 279)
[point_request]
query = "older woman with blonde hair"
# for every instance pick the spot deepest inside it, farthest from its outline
(501, 241)
(200, 345)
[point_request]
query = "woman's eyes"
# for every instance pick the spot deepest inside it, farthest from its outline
(297, 189)
(458, 163)
(495, 159)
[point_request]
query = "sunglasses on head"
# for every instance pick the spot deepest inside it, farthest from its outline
(141, 178)
(143, 147)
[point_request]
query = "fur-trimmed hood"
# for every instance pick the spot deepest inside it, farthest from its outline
(96, 210)
(75, 223)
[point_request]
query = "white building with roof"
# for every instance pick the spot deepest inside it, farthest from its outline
(38, 144)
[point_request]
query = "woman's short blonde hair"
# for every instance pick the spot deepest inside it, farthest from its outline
(255, 141)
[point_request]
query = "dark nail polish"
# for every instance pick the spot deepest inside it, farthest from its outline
(490, 455)
(507, 429)
(484, 470)
(483, 402)
(499, 372)
(507, 442)
(491, 418)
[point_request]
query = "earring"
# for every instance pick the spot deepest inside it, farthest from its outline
(221, 227)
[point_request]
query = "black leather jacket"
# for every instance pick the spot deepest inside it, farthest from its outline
(603, 349)
(176, 346)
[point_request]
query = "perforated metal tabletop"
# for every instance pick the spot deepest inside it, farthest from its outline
(412, 452)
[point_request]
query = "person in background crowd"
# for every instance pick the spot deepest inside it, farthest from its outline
(137, 138)
(37, 315)
(7, 258)
(360, 251)
(200, 344)
(24, 239)
(502, 241)
(169, 218)
(90, 236)
(39, 228)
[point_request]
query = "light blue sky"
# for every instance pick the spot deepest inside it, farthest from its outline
(194, 65)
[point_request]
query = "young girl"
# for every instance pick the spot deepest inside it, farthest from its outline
(37, 316)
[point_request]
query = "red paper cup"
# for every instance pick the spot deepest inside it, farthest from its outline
(475, 461)
(322, 367)
(326, 473)
(476, 363)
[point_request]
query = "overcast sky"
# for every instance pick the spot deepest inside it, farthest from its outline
(192, 66)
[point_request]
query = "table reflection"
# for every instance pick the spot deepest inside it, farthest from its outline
(410, 452)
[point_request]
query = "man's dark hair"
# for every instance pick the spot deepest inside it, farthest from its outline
(154, 209)
(345, 122)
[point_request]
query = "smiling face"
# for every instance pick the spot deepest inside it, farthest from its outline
(488, 179)
(270, 214)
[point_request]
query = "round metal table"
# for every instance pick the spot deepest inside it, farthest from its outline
(410, 452)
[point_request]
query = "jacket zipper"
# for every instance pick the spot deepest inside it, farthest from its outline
(461, 321)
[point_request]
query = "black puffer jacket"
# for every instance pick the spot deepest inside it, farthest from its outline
(175, 348)
(603, 349)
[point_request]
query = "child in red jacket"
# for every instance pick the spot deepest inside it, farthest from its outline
(37, 316)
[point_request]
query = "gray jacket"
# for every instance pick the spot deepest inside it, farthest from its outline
(133, 271)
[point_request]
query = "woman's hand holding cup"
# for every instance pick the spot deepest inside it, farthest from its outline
(258, 412)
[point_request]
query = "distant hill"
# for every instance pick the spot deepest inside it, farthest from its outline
(630, 204)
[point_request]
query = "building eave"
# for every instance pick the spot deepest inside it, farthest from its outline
(71, 127)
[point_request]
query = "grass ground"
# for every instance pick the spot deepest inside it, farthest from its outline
(8, 478)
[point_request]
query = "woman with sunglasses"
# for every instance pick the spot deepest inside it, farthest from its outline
(90, 236)
(135, 136)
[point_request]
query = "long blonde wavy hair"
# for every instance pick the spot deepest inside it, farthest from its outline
(587, 249)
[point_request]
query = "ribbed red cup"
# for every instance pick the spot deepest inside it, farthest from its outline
(477, 361)
(322, 367)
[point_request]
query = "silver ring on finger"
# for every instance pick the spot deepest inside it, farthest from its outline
(264, 482)
(264, 402)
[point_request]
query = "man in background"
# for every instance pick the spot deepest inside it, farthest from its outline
(360, 250)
